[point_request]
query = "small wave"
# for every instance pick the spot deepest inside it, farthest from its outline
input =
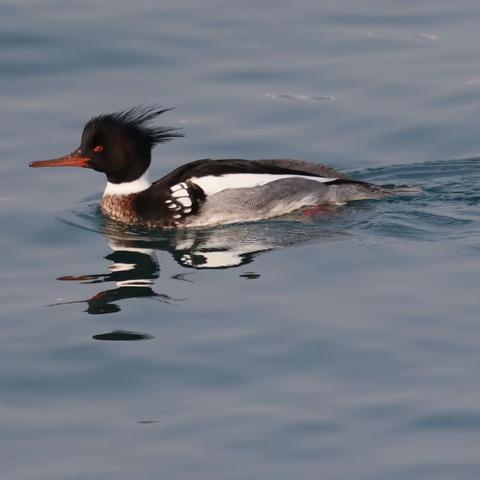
(460, 421)
(300, 97)
(444, 210)
(415, 172)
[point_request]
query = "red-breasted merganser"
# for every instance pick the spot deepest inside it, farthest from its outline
(203, 192)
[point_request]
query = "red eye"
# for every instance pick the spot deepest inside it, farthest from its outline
(98, 149)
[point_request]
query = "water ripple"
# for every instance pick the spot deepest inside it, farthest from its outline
(463, 421)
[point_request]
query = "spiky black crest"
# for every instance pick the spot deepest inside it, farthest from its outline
(135, 123)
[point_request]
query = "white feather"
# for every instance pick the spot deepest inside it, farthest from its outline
(183, 192)
(185, 201)
(212, 184)
(178, 186)
(127, 188)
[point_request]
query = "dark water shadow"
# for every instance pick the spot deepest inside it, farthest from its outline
(122, 336)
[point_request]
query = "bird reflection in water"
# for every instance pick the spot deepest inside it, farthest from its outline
(135, 267)
(134, 271)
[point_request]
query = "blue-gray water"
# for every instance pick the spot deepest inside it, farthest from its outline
(346, 346)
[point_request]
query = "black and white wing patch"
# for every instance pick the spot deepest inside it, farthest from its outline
(183, 200)
(212, 184)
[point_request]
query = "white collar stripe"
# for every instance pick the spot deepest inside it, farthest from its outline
(127, 188)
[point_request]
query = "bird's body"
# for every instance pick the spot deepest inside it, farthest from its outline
(203, 192)
(211, 192)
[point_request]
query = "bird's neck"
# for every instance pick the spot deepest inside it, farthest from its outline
(127, 188)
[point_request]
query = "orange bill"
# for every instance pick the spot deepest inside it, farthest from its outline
(71, 160)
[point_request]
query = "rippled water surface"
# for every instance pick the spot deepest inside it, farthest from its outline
(335, 346)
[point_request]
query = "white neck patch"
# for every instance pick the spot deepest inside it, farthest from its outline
(127, 188)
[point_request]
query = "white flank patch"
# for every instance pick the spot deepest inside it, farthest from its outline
(185, 201)
(179, 186)
(127, 188)
(183, 192)
(211, 184)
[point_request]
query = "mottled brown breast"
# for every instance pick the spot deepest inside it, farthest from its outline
(129, 209)
(120, 207)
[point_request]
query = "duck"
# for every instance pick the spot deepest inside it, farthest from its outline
(204, 192)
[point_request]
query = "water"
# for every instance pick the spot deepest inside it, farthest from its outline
(340, 346)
